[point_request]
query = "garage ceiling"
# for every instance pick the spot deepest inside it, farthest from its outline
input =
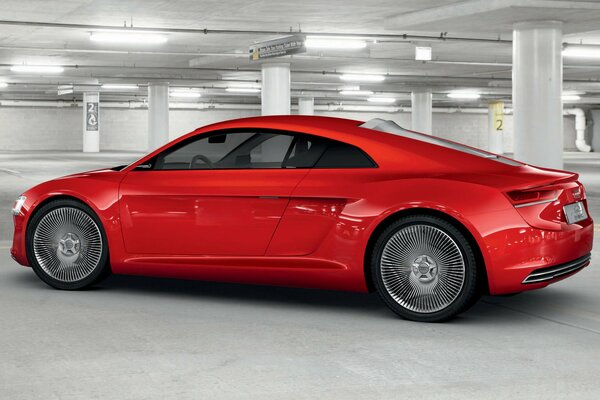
(475, 53)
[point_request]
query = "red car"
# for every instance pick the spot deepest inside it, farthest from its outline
(314, 202)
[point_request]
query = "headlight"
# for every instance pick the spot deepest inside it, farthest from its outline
(18, 205)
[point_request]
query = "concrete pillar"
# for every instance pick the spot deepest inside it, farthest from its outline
(306, 106)
(595, 130)
(537, 87)
(91, 122)
(158, 114)
(421, 113)
(496, 127)
(275, 93)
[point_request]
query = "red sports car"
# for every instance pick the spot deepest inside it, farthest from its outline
(314, 202)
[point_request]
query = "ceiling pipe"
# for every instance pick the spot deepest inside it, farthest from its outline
(245, 55)
(237, 106)
(296, 56)
(206, 31)
(394, 78)
(128, 52)
(580, 124)
(335, 73)
(403, 37)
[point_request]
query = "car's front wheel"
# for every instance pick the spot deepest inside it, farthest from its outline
(66, 245)
(425, 269)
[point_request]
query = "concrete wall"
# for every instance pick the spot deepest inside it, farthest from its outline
(25, 128)
(470, 129)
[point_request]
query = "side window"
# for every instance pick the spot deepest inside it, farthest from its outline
(201, 153)
(271, 152)
(305, 151)
(236, 150)
(342, 155)
(261, 150)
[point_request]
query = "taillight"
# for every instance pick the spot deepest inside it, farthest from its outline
(579, 192)
(543, 207)
(530, 197)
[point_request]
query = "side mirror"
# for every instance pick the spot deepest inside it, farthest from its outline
(217, 139)
(145, 166)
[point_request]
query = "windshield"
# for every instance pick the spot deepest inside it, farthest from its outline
(388, 126)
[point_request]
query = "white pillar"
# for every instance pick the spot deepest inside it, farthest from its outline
(275, 89)
(158, 114)
(91, 122)
(537, 88)
(421, 113)
(306, 106)
(495, 127)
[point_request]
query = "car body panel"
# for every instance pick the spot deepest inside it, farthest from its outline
(98, 189)
(222, 212)
(313, 227)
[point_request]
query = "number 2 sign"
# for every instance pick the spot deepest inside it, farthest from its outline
(91, 117)
(497, 108)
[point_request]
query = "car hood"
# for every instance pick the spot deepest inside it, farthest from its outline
(90, 174)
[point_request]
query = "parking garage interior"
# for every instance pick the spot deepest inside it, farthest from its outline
(94, 84)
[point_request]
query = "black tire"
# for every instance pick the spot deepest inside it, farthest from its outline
(67, 246)
(417, 278)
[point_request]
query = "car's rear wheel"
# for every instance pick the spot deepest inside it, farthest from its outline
(66, 245)
(425, 269)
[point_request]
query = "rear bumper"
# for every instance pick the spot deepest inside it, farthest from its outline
(558, 271)
(521, 257)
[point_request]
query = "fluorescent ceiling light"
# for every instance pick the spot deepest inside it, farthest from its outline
(64, 89)
(118, 86)
(37, 69)
(319, 42)
(362, 78)
(422, 53)
(234, 89)
(386, 100)
(128, 37)
(570, 97)
(465, 95)
(185, 92)
(356, 92)
(581, 51)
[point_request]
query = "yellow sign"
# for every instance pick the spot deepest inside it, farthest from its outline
(497, 108)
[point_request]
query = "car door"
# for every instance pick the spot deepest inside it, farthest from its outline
(218, 194)
(326, 199)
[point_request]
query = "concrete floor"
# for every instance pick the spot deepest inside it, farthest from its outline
(141, 338)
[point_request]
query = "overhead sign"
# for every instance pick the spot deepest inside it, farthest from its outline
(423, 53)
(64, 89)
(284, 46)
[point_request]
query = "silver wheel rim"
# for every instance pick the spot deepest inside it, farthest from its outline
(422, 268)
(67, 244)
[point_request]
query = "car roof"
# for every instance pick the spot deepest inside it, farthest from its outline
(294, 122)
